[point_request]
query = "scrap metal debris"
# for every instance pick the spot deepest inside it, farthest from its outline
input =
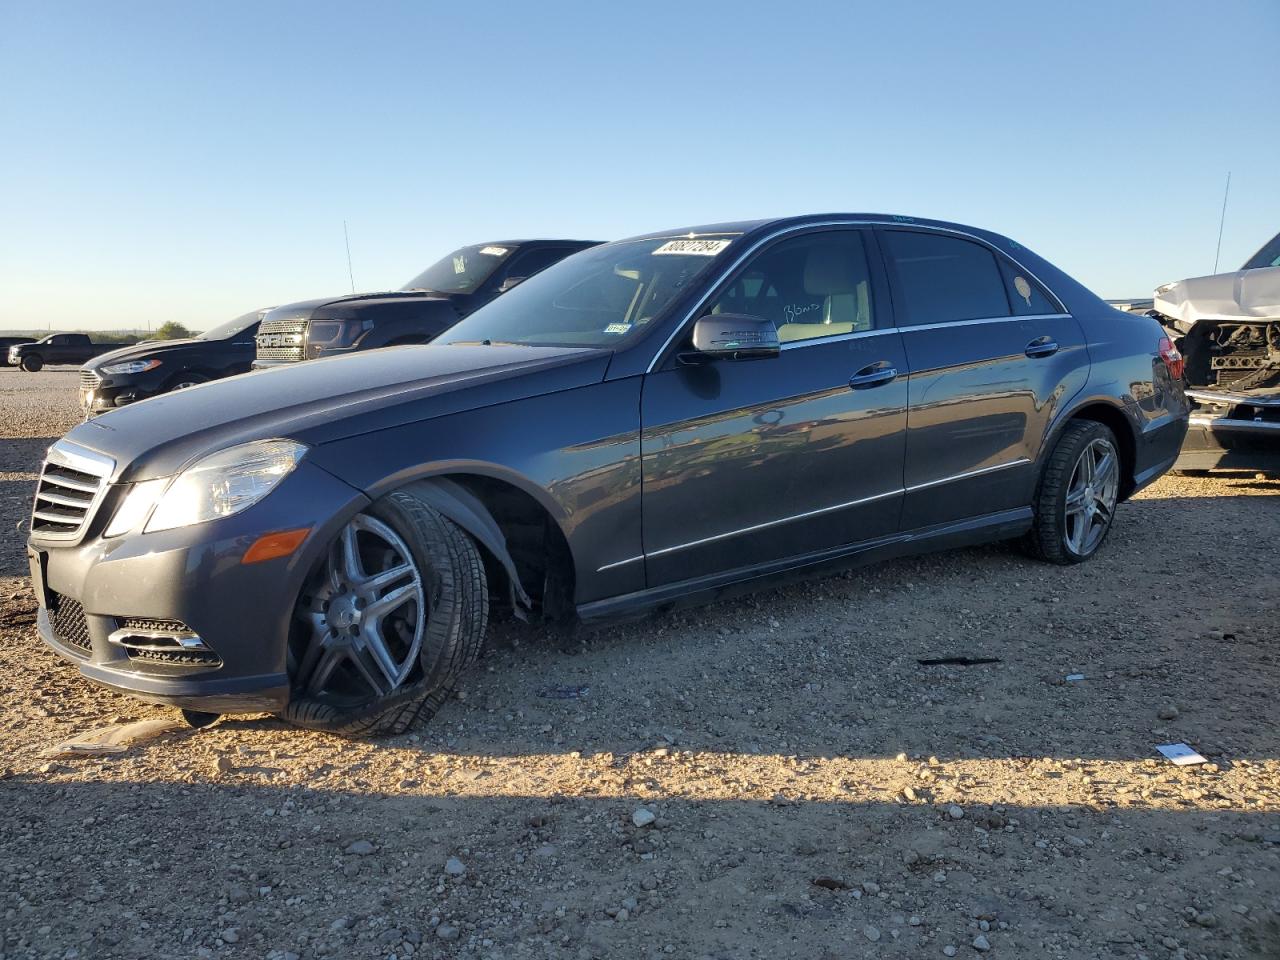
(112, 739)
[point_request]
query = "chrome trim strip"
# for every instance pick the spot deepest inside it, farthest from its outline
(1227, 423)
(1234, 399)
(856, 335)
(968, 474)
(185, 641)
(798, 227)
(67, 454)
(619, 563)
(978, 320)
(839, 506)
(773, 523)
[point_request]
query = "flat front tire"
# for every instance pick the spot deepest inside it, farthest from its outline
(387, 622)
(1076, 497)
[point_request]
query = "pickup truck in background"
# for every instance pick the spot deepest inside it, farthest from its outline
(424, 308)
(74, 348)
(7, 342)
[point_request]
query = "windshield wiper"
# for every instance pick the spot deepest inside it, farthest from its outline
(486, 343)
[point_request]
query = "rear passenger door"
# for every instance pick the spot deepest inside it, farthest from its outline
(992, 354)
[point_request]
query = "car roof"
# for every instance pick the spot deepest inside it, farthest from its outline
(521, 243)
(774, 223)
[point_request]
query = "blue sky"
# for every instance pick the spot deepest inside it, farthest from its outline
(194, 161)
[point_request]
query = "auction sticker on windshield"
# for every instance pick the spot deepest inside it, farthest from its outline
(698, 248)
(494, 251)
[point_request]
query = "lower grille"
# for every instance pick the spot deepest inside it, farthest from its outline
(281, 340)
(66, 616)
(162, 641)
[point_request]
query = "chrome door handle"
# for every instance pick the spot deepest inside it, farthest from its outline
(1042, 347)
(873, 375)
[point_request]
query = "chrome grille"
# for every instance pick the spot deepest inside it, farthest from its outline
(281, 339)
(71, 483)
(89, 380)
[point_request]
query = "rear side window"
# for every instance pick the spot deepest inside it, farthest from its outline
(1025, 293)
(943, 279)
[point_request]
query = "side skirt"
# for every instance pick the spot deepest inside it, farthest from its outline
(670, 596)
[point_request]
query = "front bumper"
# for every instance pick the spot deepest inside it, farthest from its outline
(111, 393)
(1232, 432)
(90, 589)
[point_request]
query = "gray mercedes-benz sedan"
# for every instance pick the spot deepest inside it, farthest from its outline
(648, 422)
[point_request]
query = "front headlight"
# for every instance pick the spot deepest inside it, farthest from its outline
(218, 485)
(131, 366)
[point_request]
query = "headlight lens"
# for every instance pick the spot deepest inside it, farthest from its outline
(224, 483)
(131, 366)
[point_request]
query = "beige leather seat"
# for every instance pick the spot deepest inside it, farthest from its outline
(835, 272)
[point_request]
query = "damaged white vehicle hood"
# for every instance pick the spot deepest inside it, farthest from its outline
(1243, 295)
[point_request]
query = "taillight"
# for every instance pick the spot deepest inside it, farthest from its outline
(1173, 361)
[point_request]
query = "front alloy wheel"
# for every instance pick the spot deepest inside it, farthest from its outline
(386, 622)
(365, 613)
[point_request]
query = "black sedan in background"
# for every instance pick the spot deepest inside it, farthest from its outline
(424, 308)
(649, 422)
(152, 367)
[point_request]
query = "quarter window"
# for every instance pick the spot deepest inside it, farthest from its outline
(1026, 295)
(943, 279)
(812, 286)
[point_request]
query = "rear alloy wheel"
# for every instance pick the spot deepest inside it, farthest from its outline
(386, 622)
(1077, 496)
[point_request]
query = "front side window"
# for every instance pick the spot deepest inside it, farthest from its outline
(599, 297)
(811, 286)
(943, 279)
(461, 271)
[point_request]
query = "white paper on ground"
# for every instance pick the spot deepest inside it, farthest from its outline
(1180, 754)
(1075, 676)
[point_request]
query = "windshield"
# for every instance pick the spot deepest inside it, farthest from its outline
(1268, 256)
(595, 298)
(224, 331)
(463, 270)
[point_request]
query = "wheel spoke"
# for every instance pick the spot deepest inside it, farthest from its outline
(376, 611)
(351, 566)
(327, 662)
(379, 686)
(378, 651)
(1075, 502)
(386, 578)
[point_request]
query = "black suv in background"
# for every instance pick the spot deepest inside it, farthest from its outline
(428, 305)
(153, 367)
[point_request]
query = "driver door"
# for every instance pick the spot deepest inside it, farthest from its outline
(748, 463)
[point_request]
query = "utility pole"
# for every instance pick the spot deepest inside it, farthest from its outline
(1221, 222)
(347, 238)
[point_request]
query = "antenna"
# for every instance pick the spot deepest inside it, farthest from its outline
(347, 238)
(1221, 223)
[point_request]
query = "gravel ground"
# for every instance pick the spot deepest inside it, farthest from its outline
(769, 778)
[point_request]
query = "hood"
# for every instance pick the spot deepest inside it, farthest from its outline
(1244, 295)
(139, 351)
(335, 306)
(328, 399)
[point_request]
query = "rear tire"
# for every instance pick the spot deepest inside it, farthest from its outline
(32, 363)
(1076, 497)
(447, 611)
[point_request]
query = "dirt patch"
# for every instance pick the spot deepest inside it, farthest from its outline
(775, 778)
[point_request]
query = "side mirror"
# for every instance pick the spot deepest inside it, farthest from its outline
(735, 336)
(510, 282)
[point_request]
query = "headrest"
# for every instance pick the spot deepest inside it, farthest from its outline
(831, 268)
